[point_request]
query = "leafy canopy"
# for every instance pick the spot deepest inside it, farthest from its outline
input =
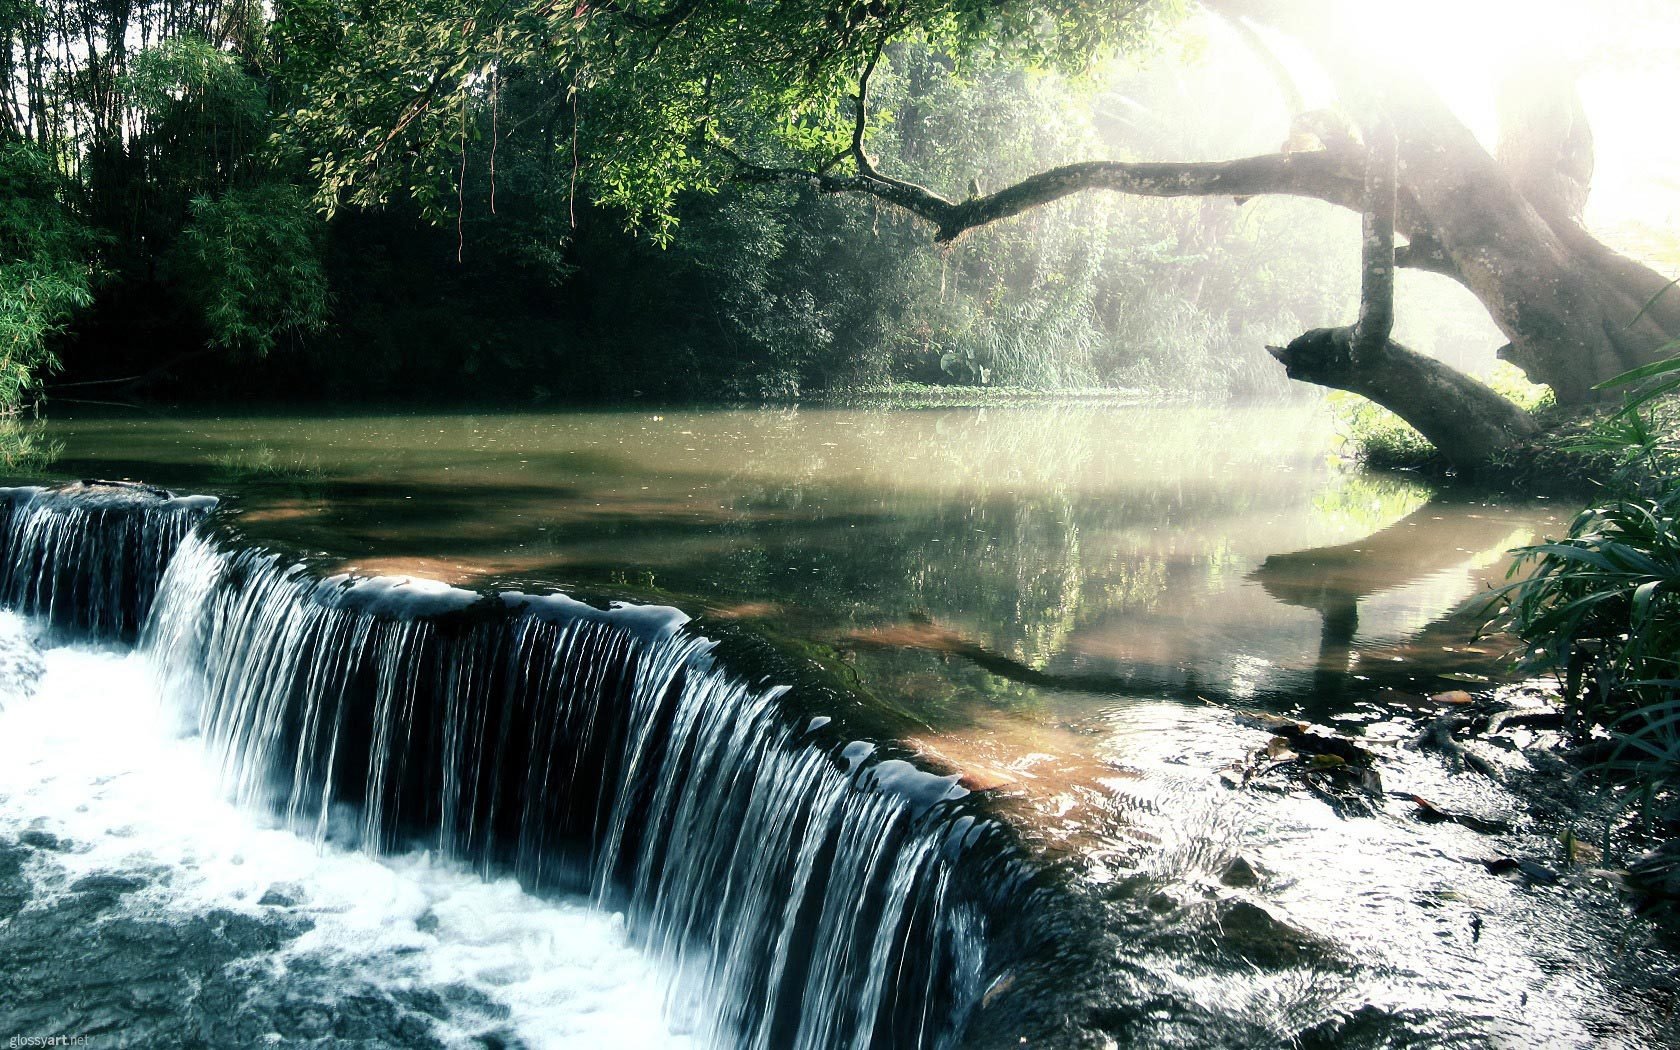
(659, 93)
(44, 273)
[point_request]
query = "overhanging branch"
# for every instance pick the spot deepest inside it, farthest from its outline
(1316, 175)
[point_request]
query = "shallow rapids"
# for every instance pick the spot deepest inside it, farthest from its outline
(125, 831)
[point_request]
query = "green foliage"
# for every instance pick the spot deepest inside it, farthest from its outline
(389, 90)
(1664, 372)
(1645, 431)
(190, 75)
(519, 199)
(45, 276)
(250, 261)
(24, 446)
(1602, 607)
(1604, 601)
(1376, 437)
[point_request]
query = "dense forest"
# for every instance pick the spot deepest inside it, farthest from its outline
(231, 200)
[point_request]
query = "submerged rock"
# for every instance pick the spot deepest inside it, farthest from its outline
(44, 840)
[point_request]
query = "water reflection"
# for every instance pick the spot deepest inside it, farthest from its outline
(1403, 576)
(1171, 551)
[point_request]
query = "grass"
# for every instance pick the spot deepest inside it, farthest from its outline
(264, 464)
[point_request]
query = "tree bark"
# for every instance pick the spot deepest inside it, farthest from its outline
(1465, 420)
(1461, 416)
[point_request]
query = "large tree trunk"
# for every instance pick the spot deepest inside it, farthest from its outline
(1567, 303)
(1576, 312)
(1467, 421)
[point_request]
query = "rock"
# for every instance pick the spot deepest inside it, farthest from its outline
(46, 840)
(1429, 813)
(115, 885)
(14, 886)
(1161, 902)
(1254, 933)
(1239, 873)
(1531, 871)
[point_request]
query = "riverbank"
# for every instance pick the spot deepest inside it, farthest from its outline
(1577, 452)
(923, 395)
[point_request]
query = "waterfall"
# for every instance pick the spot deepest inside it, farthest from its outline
(87, 558)
(804, 890)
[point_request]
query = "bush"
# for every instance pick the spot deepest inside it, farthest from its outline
(45, 276)
(250, 261)
(1602, 608)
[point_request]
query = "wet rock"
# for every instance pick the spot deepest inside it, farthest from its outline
(1429, 813)
(465, 997)
(88, 962)
(281, 895)
(115, 885)
(1533, 872)
(1161, 903)
(1240, 873)
(38, 839)
(1335, 769)
(1656, 873)
(1258, 936)
(14, 886)
(1367, 1026)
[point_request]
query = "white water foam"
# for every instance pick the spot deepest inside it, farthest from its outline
(91, 754)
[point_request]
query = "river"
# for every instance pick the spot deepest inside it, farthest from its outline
(1077, 610)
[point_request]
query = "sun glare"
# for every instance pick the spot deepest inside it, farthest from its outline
(1622, 51)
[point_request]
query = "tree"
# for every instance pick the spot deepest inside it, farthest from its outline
(687, 95)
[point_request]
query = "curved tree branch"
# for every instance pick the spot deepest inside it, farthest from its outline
(1319, 175)
(1424, 252)
(1332, 176)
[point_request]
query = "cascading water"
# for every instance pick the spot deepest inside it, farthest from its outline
(803, 890)
(88, 557)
